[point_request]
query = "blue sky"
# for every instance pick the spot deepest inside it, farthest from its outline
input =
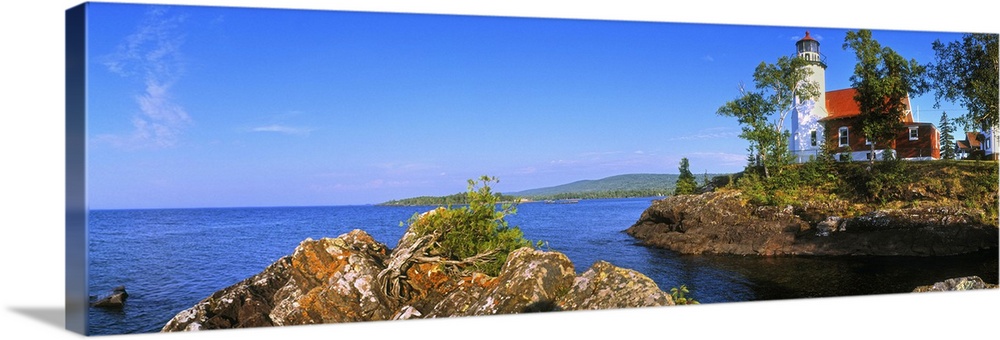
(211, 106)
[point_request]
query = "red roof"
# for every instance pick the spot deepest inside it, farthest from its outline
(841, 104)
(971, 139)
(807, 37)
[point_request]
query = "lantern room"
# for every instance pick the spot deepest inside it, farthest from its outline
(808, 48)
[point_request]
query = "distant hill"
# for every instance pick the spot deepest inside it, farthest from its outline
(662, 183)
(620, 186)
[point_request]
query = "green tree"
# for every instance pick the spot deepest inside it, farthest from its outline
(883, 80)
(762, 112)
(966, 71)
(686, 183)
(947, 141)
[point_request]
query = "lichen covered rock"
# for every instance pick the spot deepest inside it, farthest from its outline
(605, 286)
(959, 283)
(326, 280)
(335, 280)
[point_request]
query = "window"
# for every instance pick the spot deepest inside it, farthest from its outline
(914, 133)
(843, 135)
(812, 137)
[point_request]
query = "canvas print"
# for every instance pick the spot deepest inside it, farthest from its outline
(243, 167)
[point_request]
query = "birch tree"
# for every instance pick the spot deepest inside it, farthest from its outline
(762, 111)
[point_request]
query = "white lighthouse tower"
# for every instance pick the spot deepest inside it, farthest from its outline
(807, 131)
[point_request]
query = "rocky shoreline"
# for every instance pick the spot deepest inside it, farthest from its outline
(721, 222)
(344, 279)
(334, 280)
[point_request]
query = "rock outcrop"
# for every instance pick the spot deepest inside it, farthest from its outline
(115, 300)
(337, 280)
(958, 283)
(721, 222)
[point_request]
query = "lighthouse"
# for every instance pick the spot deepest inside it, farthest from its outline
(807, 131)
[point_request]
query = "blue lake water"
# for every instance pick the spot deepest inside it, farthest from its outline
(169, 259)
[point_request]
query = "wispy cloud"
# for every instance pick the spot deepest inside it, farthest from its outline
(152, 55)
(288, 130)
(713, 133)
(609, 161)
(373, 184)
(708, 58)
(395, 169)
(279, 123)
(722, 158)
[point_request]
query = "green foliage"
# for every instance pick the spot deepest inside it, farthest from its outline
(686, 183)
(884, 80)
(946, 140)
(967, 71)
(762, 112)
(754, 188)
(679, 295)
(751, 110)
(473, 230)
(892, 182)
(882, 182)
(778, 190)
(981, 191)
(820, 172)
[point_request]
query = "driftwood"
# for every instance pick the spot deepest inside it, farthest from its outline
(413, 250)
(393, 278)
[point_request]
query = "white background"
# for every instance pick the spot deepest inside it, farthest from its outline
(32, 184)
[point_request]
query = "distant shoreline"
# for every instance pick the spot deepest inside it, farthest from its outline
(559, 199)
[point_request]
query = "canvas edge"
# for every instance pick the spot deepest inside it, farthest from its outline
(76, 288)
(76, 207)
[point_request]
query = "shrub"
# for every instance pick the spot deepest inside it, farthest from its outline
(475, 234)
(753, 188)
(882, 182)
(679, 295)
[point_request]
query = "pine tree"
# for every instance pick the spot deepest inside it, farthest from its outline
(686, 183)
(947, 142)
